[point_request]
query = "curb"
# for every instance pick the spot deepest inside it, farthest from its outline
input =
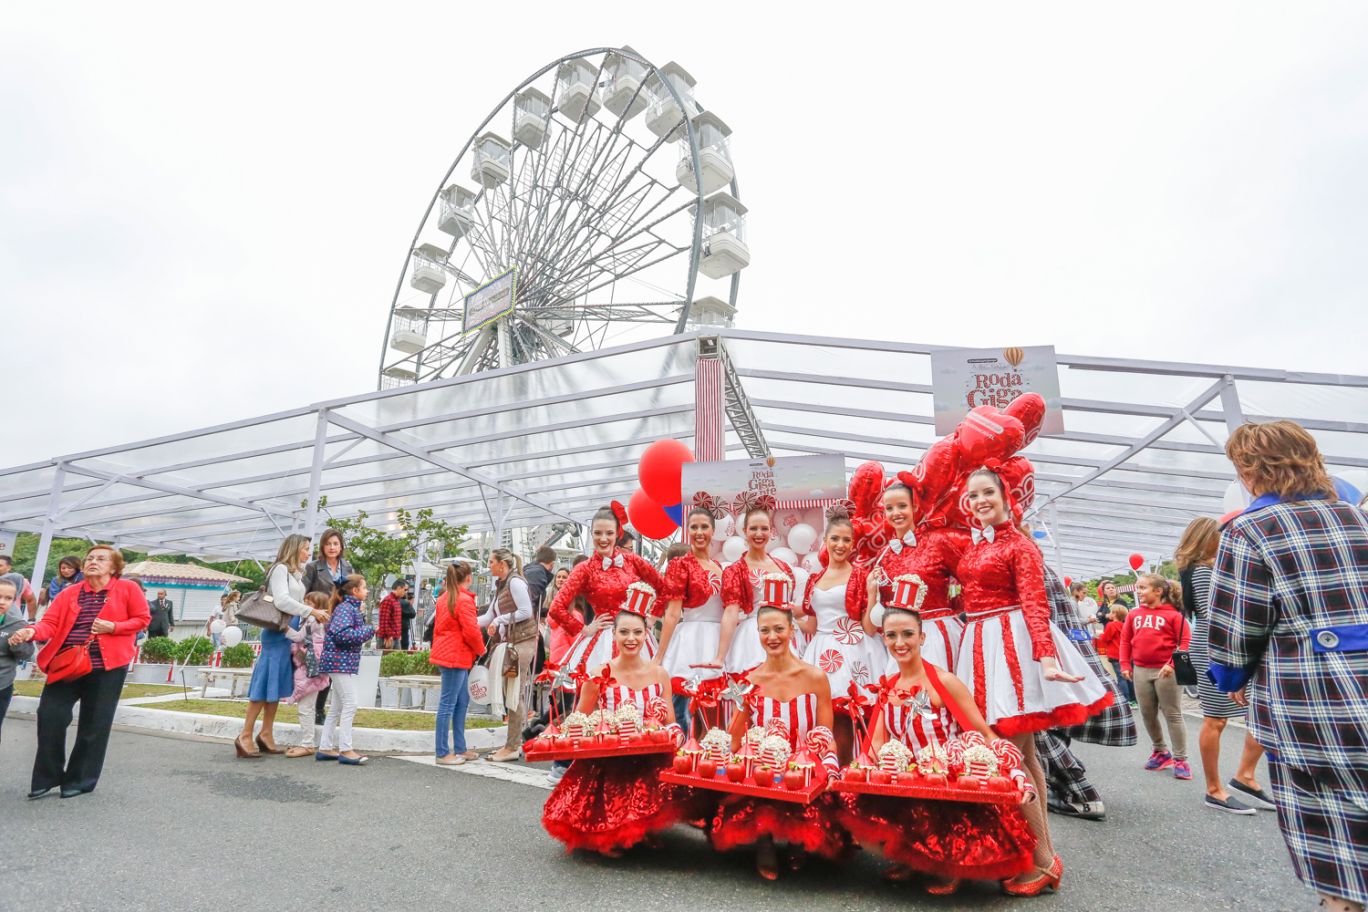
(227, 728)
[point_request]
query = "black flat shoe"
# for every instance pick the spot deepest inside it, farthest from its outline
(74, 792)
(39, 793)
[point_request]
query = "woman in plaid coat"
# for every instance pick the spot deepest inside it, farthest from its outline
(1289, 634)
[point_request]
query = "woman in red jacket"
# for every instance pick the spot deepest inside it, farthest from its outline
(456, 644)
(107, 612)
(1153, 631)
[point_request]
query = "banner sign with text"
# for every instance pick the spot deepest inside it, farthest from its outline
(965, 378)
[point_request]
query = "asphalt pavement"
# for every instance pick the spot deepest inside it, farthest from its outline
(180, 824)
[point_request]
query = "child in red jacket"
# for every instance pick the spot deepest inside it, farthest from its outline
(1108, 646)
(1150, 636)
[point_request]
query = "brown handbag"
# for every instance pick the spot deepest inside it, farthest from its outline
(259, 610)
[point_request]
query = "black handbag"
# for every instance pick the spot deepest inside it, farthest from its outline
(1184, 673)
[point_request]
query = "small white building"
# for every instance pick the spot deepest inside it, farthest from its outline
(194, 591)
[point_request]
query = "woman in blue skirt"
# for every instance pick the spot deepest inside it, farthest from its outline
(273, 675)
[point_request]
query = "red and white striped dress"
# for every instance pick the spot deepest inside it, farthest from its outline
(947, 839)
(744, 586)
(614, 803)
(743, 821)
(933, 558)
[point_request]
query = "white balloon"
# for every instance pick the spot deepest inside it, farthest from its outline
(1235, 498)
(216, 626)
(802, 538)
(733, 548)
(231, 636)
(776, 541)
(784, 554)
(726, 527)
(812, 562)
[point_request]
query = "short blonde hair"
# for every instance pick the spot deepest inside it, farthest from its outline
(1281, 458)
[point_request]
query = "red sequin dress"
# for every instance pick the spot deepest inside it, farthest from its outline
(1008, 631)
(695, 638)
(612, 804)
(745, 587)
(605, 588)
(933, 558)
(741, 820)
(840, 646)
(948, 839)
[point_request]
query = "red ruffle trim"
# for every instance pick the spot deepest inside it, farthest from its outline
(811, 827)
(1060, 717)
(609, 805)
(943, 838)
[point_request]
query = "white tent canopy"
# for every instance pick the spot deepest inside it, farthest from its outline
(550, 441)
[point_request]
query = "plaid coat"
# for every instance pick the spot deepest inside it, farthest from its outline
(1114, 726)
(1285, 572)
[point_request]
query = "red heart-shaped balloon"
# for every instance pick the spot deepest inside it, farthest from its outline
(986, 433)
(1029, 409)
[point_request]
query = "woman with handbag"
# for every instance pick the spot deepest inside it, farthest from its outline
(90, 630)
(273, 674)
(456, 644)
(512, 621)
(1153, 642)
(324, 574)
(1195, 554)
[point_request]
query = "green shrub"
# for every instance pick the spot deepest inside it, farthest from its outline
(239, 656)
(394, 663)
(419, 664)
(193, 651)
(158, 650)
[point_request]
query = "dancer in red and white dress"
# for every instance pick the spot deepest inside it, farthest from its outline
(922, 705)
(602, 580)
(796, 693)
(1024, 674)
(608, 805)
(839, 645)
(931, 554)
(739, 650)
(692, 629)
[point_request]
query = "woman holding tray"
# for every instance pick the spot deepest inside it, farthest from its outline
(1023, 673)
(839, 647)
(609, 805)
(692, 628)
(922, 707)
(602, 580)
(739, 649)
(785, 690)
(929, 554)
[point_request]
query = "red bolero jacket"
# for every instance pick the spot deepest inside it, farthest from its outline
(125, 605)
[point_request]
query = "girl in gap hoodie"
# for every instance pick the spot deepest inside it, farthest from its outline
(1152, 633)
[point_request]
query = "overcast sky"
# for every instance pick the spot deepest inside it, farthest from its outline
(202, 217)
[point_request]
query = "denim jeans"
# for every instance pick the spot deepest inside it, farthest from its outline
(451, 710)
(1127, 687)
(681, 711)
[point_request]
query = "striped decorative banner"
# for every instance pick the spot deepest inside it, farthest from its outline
(709, 408)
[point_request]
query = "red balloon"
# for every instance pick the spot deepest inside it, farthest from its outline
(1137, 561)
(659, 469)
(648, 517)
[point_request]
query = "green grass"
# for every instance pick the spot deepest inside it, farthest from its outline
(365, 718)
(130, 691)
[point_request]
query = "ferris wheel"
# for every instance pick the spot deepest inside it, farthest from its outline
(596, 203)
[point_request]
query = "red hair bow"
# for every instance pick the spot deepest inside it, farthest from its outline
(620, 512)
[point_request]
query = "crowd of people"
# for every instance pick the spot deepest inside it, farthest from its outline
(1267, 620)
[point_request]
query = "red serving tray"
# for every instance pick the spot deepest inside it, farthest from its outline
(804, 796)
(588, 750)
(927, 792)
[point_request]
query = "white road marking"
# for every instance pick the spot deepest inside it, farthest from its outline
(508, 772)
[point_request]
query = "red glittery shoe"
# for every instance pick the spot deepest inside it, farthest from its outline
(943, 887)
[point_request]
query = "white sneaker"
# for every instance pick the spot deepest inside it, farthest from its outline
(555, 775)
